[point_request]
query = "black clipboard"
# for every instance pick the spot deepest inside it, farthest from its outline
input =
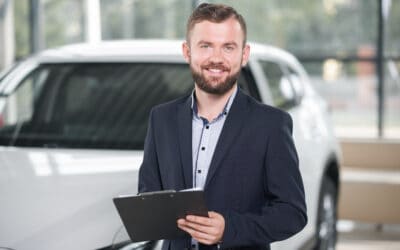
(154, 215)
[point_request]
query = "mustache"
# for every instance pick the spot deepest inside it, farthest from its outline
(216, 66)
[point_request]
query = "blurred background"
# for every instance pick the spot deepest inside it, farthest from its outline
(350, 48)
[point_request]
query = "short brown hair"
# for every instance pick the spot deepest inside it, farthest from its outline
(215, 13)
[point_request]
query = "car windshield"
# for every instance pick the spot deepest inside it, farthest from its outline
(89, 105)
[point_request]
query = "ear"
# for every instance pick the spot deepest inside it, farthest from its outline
(186, 51)
(245, 55)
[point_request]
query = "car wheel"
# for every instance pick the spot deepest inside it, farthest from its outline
(327, 216)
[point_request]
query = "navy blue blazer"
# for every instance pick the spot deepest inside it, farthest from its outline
(253, 180)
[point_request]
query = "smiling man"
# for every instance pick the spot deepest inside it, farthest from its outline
(240, 152)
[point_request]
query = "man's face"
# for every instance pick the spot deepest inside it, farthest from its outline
(216, 54)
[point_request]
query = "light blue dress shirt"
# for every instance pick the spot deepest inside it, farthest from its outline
(205, 135)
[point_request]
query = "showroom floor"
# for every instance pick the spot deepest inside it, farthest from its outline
(361, 236)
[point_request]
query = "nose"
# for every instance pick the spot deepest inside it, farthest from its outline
(216, 56)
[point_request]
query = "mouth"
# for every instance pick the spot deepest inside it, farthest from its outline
(216, 71)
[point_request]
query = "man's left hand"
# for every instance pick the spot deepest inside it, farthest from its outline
(205, 230)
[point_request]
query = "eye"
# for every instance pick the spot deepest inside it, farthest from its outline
(229, 48)
(204, 46)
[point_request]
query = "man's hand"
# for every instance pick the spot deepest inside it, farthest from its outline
(205, 230)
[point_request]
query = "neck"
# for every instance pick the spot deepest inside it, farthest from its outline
(210, 106)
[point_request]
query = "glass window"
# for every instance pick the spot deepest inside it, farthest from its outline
(279, 85)
(19, 105)
(297, 84)
(59, 30)
(312, 27)
(21, 28)
(391, 111)
(90, 105)
(392, 100)
(136, 18)
(350, 90)
(392, 31)
(248, 84)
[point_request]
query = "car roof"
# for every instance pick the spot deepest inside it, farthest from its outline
(129, 51)
(134, 50)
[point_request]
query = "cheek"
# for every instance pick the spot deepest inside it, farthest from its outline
(198, 55)
(235, 59)
(236, 63)
(199, 62)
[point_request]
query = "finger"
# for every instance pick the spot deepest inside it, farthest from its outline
(198, 231)
(207, 239)
(205, 242)
(197, 227)
(199, 236)
(200, 227)
(200, 220)
(217, 219)
(186, 226)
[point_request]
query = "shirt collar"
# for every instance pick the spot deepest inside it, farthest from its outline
(226, 109)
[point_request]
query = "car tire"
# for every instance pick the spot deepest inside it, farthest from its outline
(327, 216)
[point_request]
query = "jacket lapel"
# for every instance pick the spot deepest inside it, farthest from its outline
(232, 126)
(185, 140)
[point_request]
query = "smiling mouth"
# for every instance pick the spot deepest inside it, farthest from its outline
(215, 69)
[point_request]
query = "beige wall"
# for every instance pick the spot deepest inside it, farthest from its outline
(370, 175)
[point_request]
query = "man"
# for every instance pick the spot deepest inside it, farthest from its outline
(239, 151)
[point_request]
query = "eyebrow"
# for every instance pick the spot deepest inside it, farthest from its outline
(232, 43)
(202, 42)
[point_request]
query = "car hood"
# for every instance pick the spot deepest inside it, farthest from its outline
(62, 199)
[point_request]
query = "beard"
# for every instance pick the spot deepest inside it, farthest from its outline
(214, 85)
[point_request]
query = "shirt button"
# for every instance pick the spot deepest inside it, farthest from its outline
(199, 171)
(207, 127)
(203, 148)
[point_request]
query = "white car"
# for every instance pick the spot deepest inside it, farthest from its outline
(72, 127)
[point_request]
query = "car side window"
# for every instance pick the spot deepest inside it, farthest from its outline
(19, 106)
(279, 84)
(296, 82)
(248, 84)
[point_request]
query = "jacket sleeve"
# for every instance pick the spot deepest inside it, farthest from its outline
(284, 212)
(149, 174)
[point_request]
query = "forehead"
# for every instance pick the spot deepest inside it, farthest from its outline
(229, 29)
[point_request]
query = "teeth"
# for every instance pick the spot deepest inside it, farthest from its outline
(215, 70)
